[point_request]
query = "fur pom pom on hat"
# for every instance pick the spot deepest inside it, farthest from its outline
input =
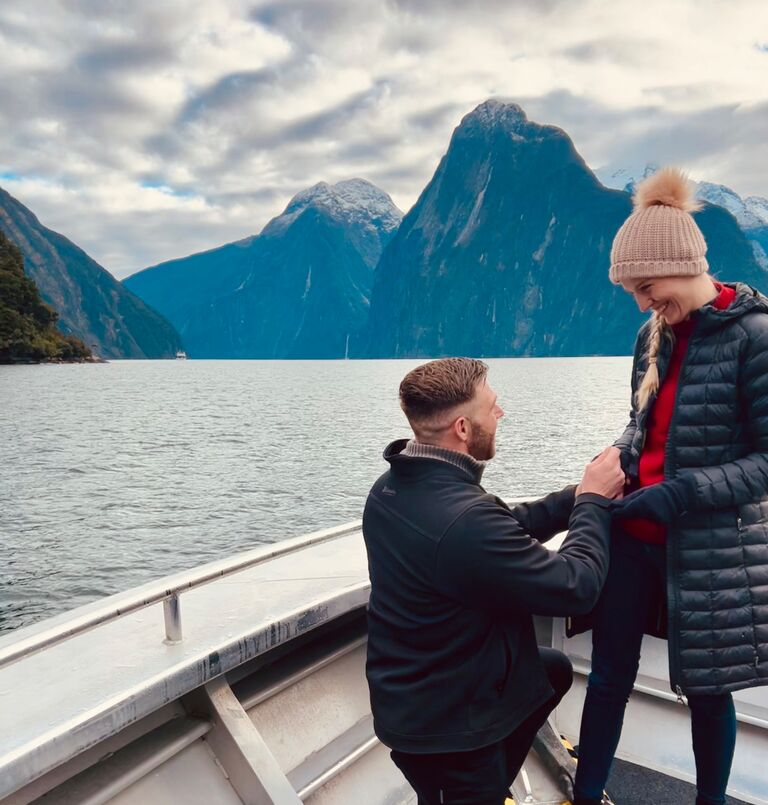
(660, 237)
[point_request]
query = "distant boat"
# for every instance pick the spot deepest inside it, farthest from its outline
(181, 355)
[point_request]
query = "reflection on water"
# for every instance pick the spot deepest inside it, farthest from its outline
(114, 474)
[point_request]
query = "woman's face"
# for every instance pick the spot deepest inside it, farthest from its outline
(673, 298)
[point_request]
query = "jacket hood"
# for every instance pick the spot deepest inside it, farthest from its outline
(748, 300)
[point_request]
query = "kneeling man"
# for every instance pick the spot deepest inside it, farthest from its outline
(458, 684)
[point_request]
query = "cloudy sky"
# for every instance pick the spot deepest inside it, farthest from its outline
(147, 130)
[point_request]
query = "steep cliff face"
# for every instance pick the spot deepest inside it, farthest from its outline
(506, 252)
(300, 289)
(91, 303)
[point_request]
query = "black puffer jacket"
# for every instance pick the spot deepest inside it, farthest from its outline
(717, 554)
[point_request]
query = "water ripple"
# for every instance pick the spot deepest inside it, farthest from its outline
(114, 474)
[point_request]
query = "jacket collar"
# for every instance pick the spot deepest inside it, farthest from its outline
(409, 456)
(747, 299)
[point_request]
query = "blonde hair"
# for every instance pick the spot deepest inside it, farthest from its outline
(650, 384)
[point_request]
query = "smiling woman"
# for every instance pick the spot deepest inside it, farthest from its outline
(658, 256)
(688, 557)
(672, 299)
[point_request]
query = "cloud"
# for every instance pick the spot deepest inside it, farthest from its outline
(432, 8)
(147, 130)
(712, 143)
(301, 19)
(614, 50)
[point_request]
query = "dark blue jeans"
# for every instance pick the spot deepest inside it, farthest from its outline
(635, 585)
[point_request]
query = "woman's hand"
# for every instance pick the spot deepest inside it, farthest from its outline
(661, 502)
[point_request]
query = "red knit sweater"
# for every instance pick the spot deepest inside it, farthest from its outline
(651, 469)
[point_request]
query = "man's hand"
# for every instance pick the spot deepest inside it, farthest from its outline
(662, 502)
(614, 454)
(603, 476)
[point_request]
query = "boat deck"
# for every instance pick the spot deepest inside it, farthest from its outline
(58, 702)
(631, 784)
(266, 692)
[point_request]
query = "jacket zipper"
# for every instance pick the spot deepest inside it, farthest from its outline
(672, 563)
(755, 650)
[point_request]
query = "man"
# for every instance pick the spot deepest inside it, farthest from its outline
(458, 685)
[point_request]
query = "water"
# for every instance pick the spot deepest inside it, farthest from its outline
(114, 474)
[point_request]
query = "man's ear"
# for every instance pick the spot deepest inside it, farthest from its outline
(461, 428)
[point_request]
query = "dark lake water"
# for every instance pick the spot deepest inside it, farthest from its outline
(114, 474)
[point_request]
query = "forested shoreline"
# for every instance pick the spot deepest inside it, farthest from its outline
(28, 332)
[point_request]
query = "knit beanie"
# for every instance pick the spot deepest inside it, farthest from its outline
(660, 237)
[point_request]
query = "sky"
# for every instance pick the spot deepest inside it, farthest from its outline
(145, 131)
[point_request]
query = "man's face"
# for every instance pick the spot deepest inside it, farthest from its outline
(483, 417)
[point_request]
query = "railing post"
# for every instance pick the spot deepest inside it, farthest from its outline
(172, 614)
(117, 606)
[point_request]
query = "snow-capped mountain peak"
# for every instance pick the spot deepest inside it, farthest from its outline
(496, 111)
(625, 178)
(758, 206)
(750, 213)
(730, 200)
(352, 201)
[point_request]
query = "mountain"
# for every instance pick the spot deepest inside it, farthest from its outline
(625, 178)
(506, 252)
(299, 289)
(27, 324)
(178, 287)
(92, 304)
(751, 214)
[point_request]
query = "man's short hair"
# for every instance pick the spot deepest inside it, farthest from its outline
(436, 387)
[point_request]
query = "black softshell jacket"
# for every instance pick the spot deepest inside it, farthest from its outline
(456, 576)
(717, 553)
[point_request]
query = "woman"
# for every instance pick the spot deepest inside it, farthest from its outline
(690, 550)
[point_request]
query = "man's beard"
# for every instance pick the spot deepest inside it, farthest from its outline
(482, 444)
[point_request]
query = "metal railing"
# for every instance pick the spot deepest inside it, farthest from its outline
(168, 591)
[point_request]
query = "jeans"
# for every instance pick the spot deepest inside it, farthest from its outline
(636, 583)
(483, 776)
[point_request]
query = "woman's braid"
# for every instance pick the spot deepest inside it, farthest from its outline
(650, 384)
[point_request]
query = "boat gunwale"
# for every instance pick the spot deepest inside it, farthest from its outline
(29, 761)
(46, 634)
